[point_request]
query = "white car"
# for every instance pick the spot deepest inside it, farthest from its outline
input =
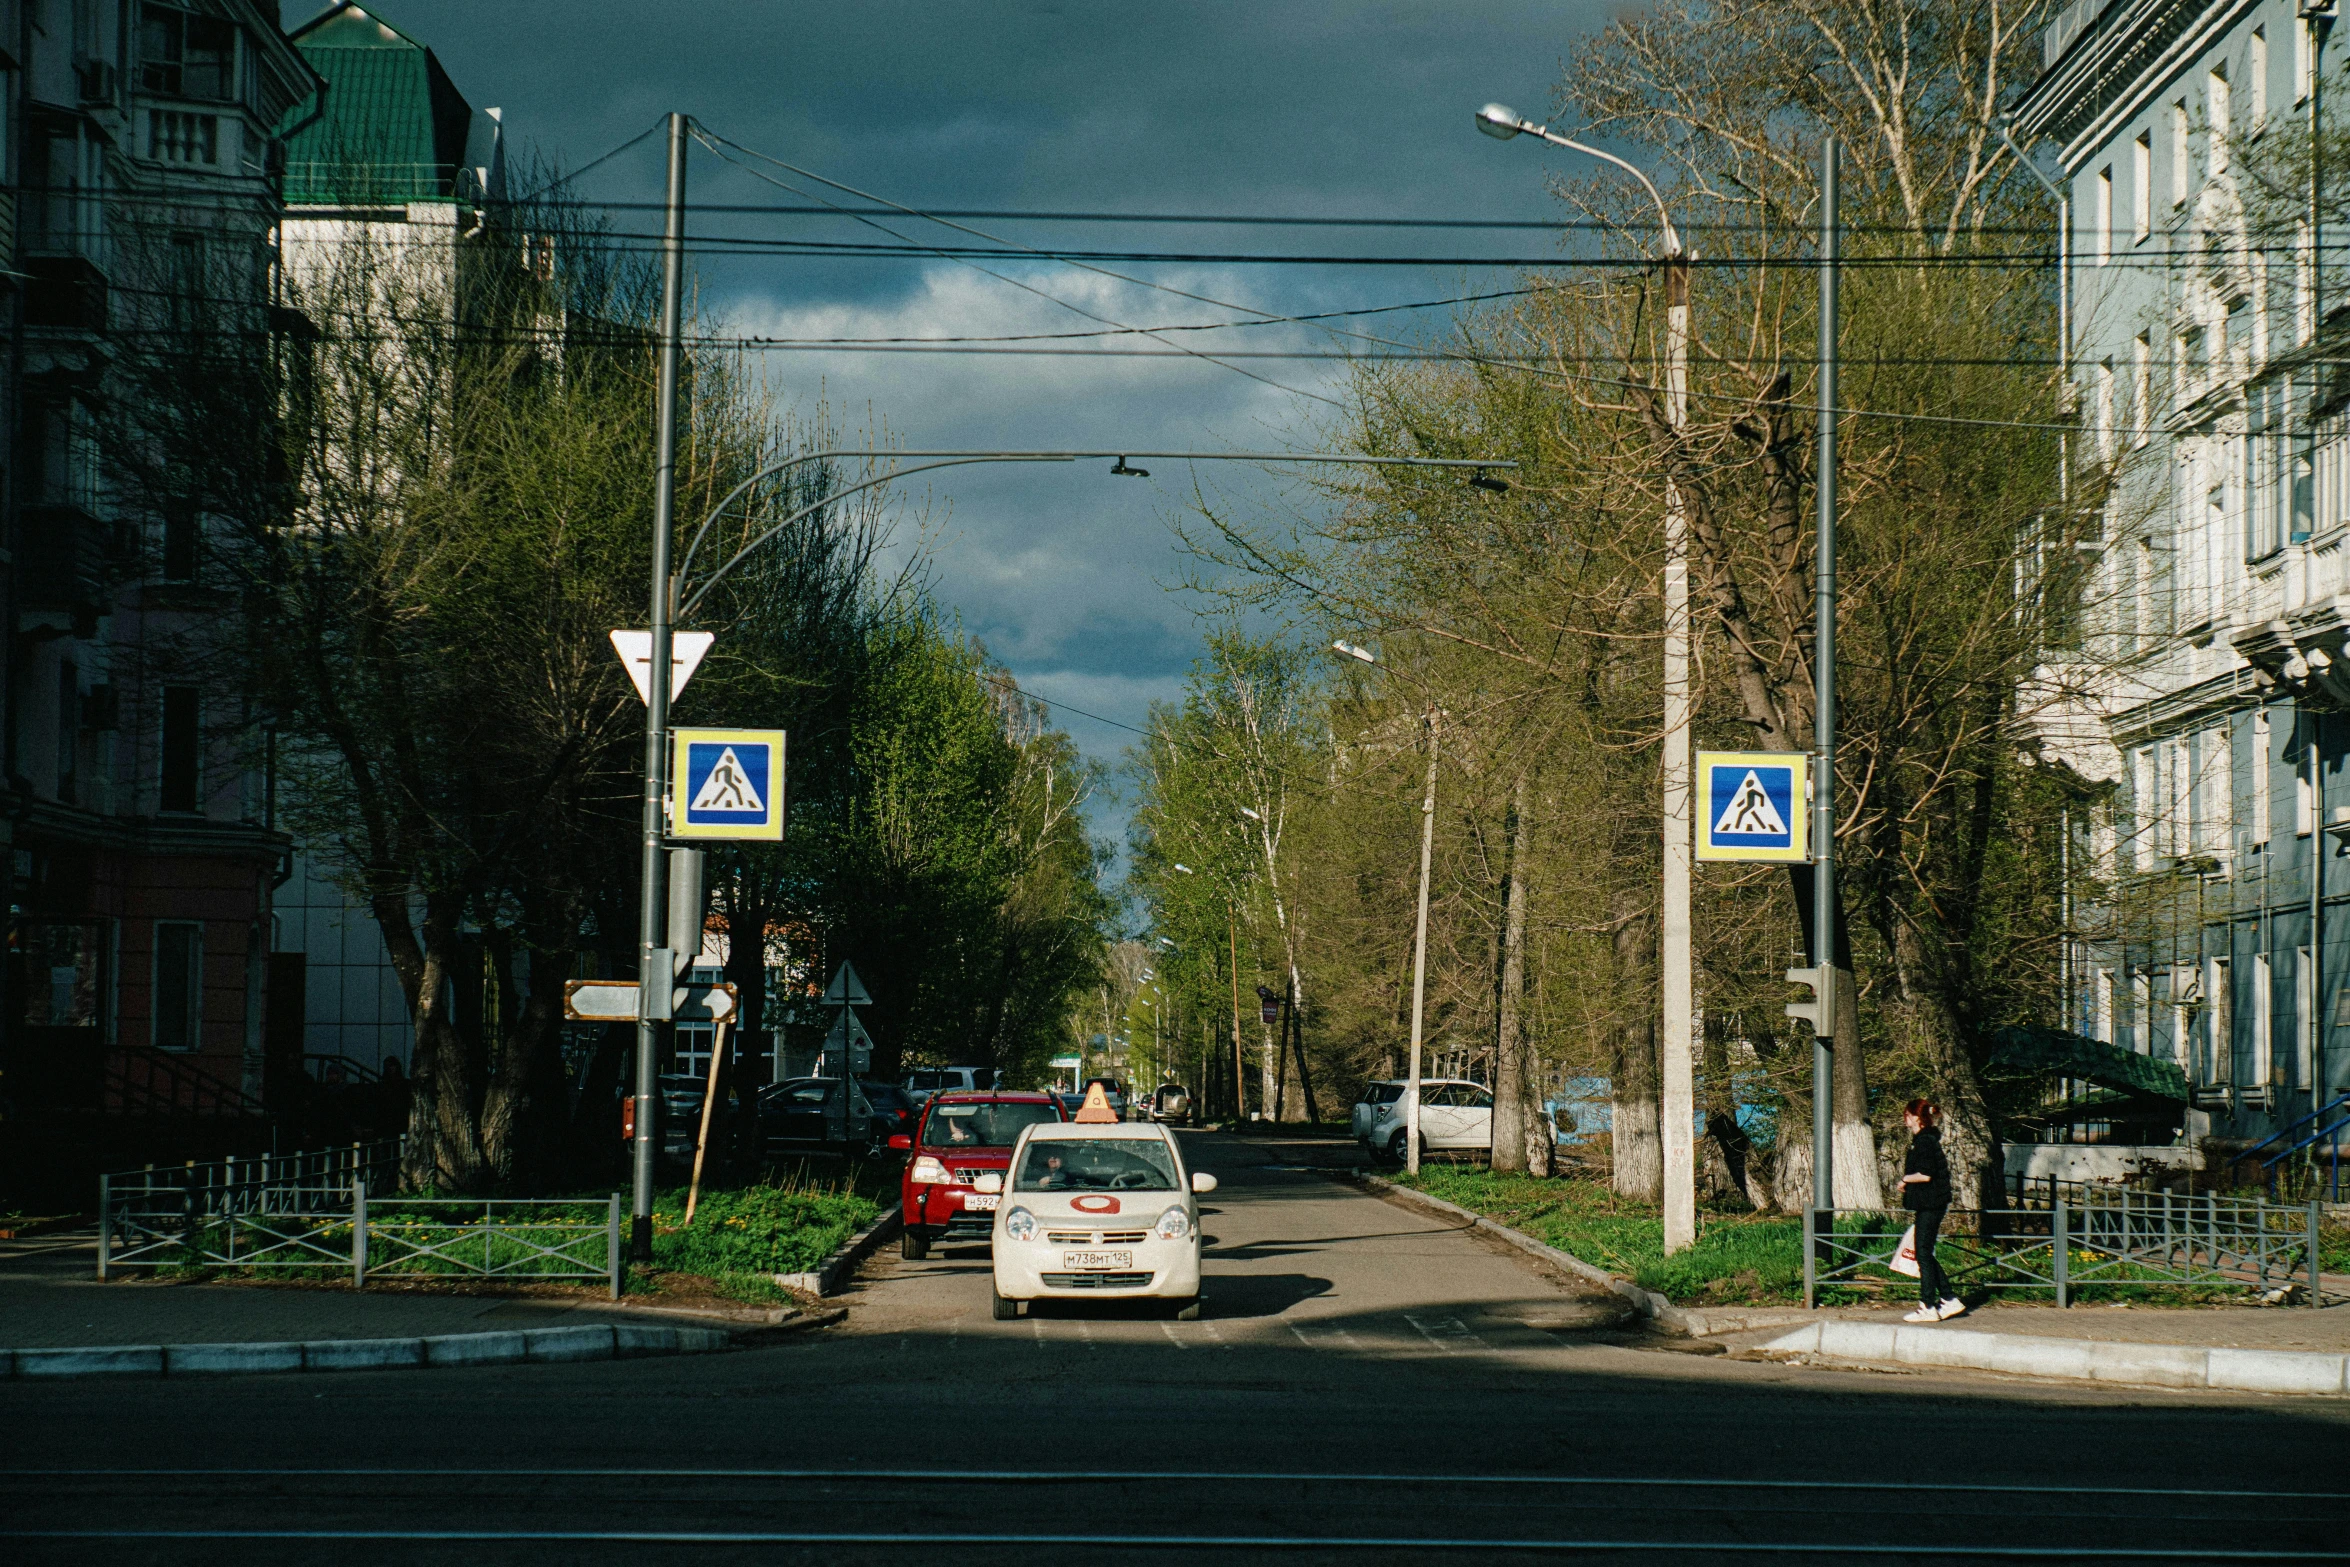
(1102, 1211)
(922, 1082)
(1455, 1115)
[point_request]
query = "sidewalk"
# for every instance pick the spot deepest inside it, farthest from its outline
(2324, 1331)
(50, 1298)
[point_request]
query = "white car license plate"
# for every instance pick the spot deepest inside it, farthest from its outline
(980, 1202)
(1097, 1259)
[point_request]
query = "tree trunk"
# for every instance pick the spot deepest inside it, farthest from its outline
(1731, 1144)
(1854, 1138)
(1636, 1128)
(1967, 1138)
(1509, 1048)
(1540, 1151)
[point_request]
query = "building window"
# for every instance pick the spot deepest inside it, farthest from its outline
(66, 453)
(179, 544)
(2263, 1017)
(184, 56)
(182, 748)
(2216, 103)
(2105, 411)
(179, 984)
(2182, 158)
(174, 136)
(2142, 390)
(2142, 185)
(2104, 1023)
(2142, 1013)
(2103, 216)
(2260, 766)
(69, 730)
(2144, 805)
(2256, 86)
(2219, 1024)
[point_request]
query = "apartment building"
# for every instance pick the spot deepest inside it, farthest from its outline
(2208, 688)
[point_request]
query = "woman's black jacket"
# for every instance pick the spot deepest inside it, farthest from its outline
(1925, 1158)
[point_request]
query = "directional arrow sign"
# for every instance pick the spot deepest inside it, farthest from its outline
(614, 1001)
(846, 989)
(685, 656)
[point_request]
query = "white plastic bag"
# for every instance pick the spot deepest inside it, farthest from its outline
(1905, 1255)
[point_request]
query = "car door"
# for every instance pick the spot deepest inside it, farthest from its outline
(1440, 1115)
(799, 1113)
(1475, 1108)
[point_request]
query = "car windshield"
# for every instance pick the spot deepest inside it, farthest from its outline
(982, 1126)
(1382, 1093)
(1096, 1164)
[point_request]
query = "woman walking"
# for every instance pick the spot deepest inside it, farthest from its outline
(1925, 1192)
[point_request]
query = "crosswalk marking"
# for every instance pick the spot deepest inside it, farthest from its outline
(1447, 1334)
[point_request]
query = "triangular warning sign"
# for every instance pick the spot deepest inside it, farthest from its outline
(1096, 1108)
(846, 988)
(728, 788)
(1750, 813)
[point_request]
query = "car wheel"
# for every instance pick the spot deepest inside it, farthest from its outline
(1188, 1311)
(1395, 1149)
(913, 1245)
(1005, 1310)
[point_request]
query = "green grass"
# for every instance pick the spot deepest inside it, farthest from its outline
(788, 1227)
(1753, 1259)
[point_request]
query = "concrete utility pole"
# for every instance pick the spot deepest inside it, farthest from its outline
(1411, 1129)
(1679, 1131)
(1834, 987)
(1679, 784)
(654, 961)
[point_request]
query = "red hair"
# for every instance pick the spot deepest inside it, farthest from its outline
(1925, 1110)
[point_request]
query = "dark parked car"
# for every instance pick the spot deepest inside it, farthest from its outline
(803, 1115)
(892, 1107)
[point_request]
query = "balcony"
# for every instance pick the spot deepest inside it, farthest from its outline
(64, 293)
(62, 560)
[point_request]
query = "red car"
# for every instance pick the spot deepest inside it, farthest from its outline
(962, 1137)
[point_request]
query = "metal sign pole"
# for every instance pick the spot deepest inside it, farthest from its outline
(652, 959)
(1823, 786)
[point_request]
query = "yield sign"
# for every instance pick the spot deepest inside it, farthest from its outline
(685, 656)
(846, 989)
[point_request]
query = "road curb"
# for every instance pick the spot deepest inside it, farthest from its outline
(593, 1341)
(834, 1270)
(2071, 1359)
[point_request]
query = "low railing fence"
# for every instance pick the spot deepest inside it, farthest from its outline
(327, 1232)
(255, 1183)
(2106, 1238)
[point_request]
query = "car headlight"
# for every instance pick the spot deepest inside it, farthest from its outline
(1020, 1225)
(929, 1172)
(1173, 1225)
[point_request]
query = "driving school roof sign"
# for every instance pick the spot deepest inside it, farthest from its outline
(726, 783)
(1752, 805)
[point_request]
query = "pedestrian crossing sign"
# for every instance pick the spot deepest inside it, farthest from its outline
(1753, 805)
(726, 783)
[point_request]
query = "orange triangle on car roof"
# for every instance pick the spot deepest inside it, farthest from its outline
(1096, 1108)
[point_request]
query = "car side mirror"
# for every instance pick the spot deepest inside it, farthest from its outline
(901, 1142)
(1202, 1182)
(990, 1182)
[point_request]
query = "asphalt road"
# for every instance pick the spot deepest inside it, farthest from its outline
(1366, 1385)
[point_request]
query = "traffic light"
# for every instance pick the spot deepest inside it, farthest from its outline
(1820, 1011)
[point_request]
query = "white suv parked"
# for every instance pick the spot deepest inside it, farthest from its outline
(922, 1082)
(1455, 1114)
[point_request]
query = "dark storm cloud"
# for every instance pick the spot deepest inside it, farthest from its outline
(1356, 110)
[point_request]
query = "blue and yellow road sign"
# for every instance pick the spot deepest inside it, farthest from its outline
(1753, 805)
(726, 783)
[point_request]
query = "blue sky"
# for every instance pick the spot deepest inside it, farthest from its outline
(1279, 109)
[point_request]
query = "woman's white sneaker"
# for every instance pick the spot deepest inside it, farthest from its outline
(1953, 1307)
(1925, 1314)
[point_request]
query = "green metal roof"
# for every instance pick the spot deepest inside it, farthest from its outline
(2075, 1055)
(394, 126)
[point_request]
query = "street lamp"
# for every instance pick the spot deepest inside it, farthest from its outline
(1678, 987)
(1411, 1110)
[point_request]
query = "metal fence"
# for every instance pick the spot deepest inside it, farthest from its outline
(310, 1213)
(2103, 1238)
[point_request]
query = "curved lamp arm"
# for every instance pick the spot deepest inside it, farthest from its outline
(1502, 122)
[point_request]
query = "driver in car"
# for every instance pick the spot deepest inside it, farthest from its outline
(1055, 1178)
